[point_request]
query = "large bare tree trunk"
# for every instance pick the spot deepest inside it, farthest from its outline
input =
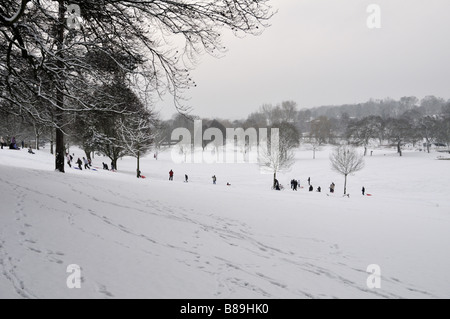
(345, 185)
(274, 178)
(88, 154)
(138, 171)
(51, 142)
(36, 135)
(59, 156)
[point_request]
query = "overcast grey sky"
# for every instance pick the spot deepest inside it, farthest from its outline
(321, 52)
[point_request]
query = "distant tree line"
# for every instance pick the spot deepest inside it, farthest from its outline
(407, 120)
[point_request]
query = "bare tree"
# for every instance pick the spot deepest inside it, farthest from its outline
(289, 111)
(136, 132)
(277, 154)
(399, 131)
(345, 160)
(362, 131)
(321, 130)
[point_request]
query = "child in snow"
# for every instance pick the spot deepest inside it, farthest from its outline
(311, 188)
(13, 144)
(214, 178)
(105, 166)
(171, 175)
(68, 160)
(30, 150)
(363, 191)
(186, 178)
(79, 162)
(86, 163)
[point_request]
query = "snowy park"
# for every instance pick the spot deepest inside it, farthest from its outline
(224, 149)
(155, 238)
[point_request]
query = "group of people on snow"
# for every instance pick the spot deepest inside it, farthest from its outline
(86, 162)
(295, 184)
(186, 178)
(13, 145)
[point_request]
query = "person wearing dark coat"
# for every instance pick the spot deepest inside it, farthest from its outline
(309, 181)
(79, 162)
(13, 144)
(277, 185)
(332, 186)
(105, 166)
(186, 178)
(319, 189)
(311, 188)
(295, 185)
(171, 175)
(363, 191)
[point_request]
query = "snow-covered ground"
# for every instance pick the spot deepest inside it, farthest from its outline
(151, 238)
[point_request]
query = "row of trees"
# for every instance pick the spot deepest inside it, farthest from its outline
(411, 128)
(64, 62)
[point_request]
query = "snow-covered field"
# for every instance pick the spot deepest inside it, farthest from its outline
(151, 238)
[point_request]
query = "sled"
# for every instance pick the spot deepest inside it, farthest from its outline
(142, 176)
(368, 194)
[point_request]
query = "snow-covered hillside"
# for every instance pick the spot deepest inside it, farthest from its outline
(151, 238)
